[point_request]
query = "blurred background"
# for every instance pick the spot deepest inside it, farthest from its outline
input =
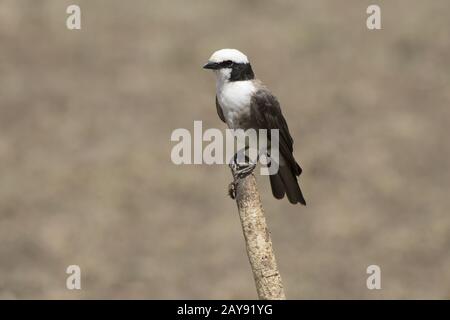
(85, 170)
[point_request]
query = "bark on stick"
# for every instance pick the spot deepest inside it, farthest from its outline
(257, 239)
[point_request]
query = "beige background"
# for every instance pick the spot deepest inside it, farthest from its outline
(85, 170)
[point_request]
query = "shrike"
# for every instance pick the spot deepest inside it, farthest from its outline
(243, 102)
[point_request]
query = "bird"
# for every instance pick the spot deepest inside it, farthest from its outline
(244, 102)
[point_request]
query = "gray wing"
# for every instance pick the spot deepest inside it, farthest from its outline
(219, 110)
(266, 113)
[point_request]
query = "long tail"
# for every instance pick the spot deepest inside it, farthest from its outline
(285, 182)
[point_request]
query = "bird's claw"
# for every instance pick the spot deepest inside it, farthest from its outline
(232, 190)
(240, 171)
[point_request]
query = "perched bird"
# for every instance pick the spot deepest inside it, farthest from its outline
(243, 102)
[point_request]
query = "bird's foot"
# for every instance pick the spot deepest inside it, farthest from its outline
(240, 171)
(232, 190)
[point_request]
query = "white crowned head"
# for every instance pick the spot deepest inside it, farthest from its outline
(230, 65)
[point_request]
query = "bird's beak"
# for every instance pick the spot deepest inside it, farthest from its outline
(211, 65)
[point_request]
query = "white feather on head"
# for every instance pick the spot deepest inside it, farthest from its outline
(228, 54)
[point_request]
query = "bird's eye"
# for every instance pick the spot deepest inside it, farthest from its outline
(227, 64)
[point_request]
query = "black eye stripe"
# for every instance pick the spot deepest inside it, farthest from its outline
(241, 71)
(226, 64)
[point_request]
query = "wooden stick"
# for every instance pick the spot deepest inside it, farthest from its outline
(257, 239)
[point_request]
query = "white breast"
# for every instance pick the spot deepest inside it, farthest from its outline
(234, 98)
